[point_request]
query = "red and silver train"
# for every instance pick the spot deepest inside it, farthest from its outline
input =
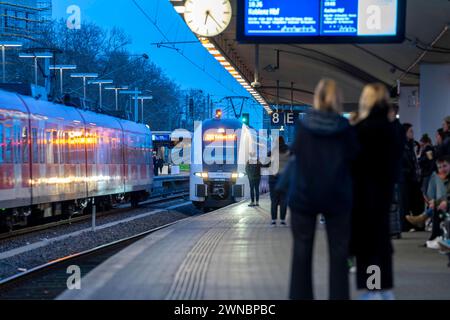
(54, 159)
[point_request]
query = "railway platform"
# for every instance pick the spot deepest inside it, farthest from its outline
(234, 254)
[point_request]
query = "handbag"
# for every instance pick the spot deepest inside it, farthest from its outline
(285, 177)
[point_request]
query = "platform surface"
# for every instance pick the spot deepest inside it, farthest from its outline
(235, 254)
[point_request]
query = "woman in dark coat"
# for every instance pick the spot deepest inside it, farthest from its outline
(374, 179)
(427, 162)
(324, 149)
(411, 193)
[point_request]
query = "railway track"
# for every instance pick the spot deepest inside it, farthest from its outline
(48, 281)
(118, 210)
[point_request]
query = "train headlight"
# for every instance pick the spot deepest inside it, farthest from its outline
(203, 175)
(237, 175)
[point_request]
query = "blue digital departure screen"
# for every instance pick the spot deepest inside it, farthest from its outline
(319, 18)
(281, 17)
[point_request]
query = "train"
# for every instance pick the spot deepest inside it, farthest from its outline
(220, 151)
(57, 159)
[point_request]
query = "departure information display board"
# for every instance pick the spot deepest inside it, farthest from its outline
(314, 21)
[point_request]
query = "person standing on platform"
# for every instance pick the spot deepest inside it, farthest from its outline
(443, 146)
(253, 171)
(160, 165)
(426, 161)
(411, 193)
(374, 179)
(277, 198)
(155, 165)
(324, 149)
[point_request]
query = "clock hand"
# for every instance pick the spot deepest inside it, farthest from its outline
(215, 21)
(207, 16)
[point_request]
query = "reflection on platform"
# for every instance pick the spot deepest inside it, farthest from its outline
(234, 254)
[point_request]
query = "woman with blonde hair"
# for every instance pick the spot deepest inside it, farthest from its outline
(374, 179)
(324, 149)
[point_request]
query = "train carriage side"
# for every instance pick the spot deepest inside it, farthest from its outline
(15, 184)
(58, 158)
(138, 163)
(54, 158)
(104, 155)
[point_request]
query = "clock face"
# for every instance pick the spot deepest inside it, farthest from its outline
(208, 18)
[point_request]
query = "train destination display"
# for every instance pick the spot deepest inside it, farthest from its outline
(321, 20)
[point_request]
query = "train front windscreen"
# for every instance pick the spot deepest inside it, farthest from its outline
(220, 151)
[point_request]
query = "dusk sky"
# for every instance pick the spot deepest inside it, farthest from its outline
(124, 14)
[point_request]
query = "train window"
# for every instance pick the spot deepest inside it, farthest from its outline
(8, 145)
(217, 154)
(42, 145)
(25, 150)
(17, 143)
(66, 148)
(49, 147)
(35, 148)
(1, 143)
(102, 152)
(55, 147)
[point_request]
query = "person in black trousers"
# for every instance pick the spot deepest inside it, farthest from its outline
(426, 162)
(324, 149)
(155, 165)
(253, 171)
(278, 198)
(412, 197)
(374, 179)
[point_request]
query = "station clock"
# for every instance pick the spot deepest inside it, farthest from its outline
(208, 18)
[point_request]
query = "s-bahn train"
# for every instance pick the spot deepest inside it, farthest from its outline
(54, 159)
(220, 151)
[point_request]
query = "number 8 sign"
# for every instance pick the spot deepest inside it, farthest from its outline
(279, 119)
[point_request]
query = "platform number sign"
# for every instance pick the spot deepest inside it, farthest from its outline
(288, 118)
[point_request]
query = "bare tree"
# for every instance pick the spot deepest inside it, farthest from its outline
(95, 49)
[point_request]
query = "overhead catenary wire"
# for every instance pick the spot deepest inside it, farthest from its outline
(427, 48)
(155, 24)
(393, 65)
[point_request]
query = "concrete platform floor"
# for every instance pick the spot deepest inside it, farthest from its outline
(234, 254)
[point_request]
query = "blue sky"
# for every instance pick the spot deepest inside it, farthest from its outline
(124, 14)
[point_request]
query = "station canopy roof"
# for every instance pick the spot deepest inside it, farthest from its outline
(352, 65)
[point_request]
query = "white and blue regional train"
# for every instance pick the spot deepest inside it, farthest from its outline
(220, 151)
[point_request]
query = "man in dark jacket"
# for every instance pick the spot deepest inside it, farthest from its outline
(443, 149)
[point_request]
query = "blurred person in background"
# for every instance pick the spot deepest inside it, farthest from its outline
(253, 171)
(324, 149)
(278, 198)
(374, 179)
(443, 146)
(437, 195)
(426, 161)
(411, 193)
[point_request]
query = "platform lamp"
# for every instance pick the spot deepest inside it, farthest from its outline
(100, 84)
(136, 92)
(4, 45)
(61, 69)
(36, 57)
(116, 92)
(84, 76)
(142, 99)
